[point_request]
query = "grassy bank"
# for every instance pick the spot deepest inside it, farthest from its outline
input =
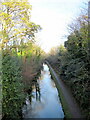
(65, 106)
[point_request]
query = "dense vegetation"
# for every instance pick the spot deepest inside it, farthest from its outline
(72, 62)
(21, 57)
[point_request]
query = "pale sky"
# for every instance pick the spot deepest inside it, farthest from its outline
(54, 16)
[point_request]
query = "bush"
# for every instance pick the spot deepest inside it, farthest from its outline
(13, 96)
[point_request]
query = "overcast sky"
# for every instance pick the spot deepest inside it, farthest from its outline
(54, 16)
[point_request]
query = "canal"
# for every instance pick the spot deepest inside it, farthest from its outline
(45, 101)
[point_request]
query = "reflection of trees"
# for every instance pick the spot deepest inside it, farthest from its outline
(53, 84)
(35, 85)
(42, 75)
(37, 91)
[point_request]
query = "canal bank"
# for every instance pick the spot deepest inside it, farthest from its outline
(70, 107)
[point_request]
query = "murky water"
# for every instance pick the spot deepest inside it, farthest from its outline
(45, 102)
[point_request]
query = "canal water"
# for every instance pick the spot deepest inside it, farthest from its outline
(45, 102)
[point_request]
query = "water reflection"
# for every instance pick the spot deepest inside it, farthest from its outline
(36, 89)
(43, 100)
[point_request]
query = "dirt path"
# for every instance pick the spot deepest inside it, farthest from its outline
(73, 107)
